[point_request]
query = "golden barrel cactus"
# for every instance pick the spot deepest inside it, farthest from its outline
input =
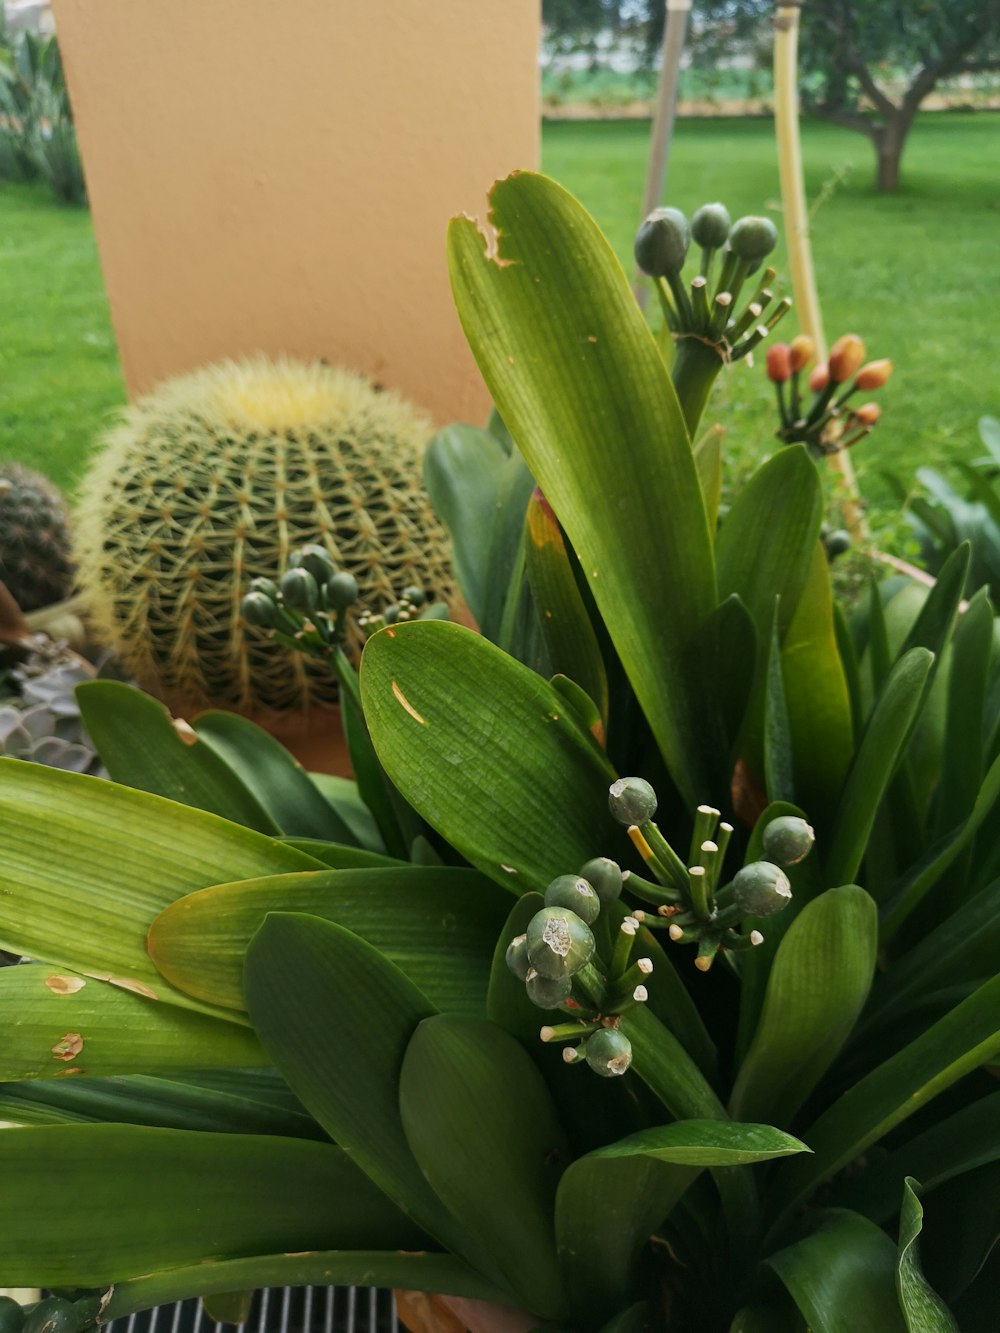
(216, 478)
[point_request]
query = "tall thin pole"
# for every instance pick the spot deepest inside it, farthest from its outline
(796, 216)
(663, 115)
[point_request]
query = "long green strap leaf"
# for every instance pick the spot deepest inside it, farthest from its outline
(279, 782)
(875, 761)
(486, 751)
(312, 989)
(141, 747)
(481, 1124)
(88, 1205)
(87, 866)
(566, 628)
(438, 925)
(955, 1045)
(818, 985)
(320, 1268)
(598, 418)
(57, 1022)
(842, 1277)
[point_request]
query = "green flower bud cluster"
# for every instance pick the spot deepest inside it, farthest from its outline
(54, 1314)
(706, 308)
(412, 605)
(307, 608)
(691, 902)
(557, 960)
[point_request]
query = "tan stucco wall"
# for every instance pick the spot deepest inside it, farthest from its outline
(277, 175)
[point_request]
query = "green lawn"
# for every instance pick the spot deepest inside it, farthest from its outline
(911, 273)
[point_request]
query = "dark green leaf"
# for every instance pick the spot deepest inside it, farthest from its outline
(842, 1277)
(600, 419)
(703, 1143)
(463, 473)
(320, 1268)
(818, 985)
(343, 795)
(779, 766)
(484, 749)
(313, 990)
(480, 1122)
(956, 1044)
(279, 782)
(566, 628)
(875, 761)
(96, 1204)
(141, 747)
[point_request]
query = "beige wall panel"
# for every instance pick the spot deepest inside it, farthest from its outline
(278, 175)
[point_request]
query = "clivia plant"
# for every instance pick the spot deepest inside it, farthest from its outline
(645, 977)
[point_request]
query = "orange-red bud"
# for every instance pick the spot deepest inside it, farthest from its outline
(868, 413)
(820, 378)
(846, 356)
(874, 375)
(779, 363)
(802, 350)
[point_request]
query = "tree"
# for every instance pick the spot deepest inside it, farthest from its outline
(866, 64)
(849, 47)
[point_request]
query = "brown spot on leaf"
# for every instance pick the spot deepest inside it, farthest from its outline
(68, 1047)
(64, 985)
(65, 1073)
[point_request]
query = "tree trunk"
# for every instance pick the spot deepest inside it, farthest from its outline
(890, 140)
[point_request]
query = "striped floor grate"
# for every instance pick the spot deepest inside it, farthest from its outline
(279, 1310)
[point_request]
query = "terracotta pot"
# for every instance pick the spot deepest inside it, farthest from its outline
(422, 1312)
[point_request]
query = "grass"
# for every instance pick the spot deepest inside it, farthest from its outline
(59, 374)
(909, 272)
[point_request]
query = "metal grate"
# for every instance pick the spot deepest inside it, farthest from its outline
(279, 1310)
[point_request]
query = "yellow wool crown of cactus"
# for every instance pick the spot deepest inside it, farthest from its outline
(216, 478)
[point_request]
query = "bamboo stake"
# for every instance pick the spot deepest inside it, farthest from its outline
(793, 203)
(663, 117)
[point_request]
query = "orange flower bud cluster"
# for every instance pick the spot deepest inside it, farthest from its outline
(828, 423)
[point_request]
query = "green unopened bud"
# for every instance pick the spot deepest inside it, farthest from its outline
(661, 243)
(606, 877)
(11, 1315)
(53, 1315)
(258, 609)
(710, 226)
(342, 590)
(574, 892)
(787, 840)
(753, 238)
(548, 992)
(414, 595)
(314, 558)
(608, 1052)
(299, 590)
(837, 543)
(761, 889)
(391, 614)
(266, 586)
(559, 942)
(517, 959)
(631, 801)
